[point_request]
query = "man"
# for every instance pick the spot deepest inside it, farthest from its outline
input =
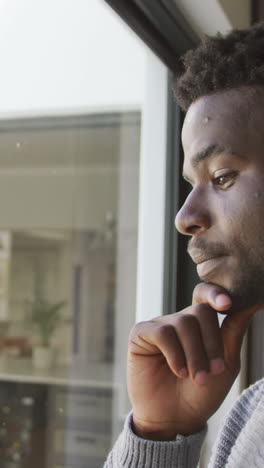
(181, 366)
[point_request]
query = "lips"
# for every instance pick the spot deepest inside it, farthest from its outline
(208, 262)
(199, 256)
(210, 267)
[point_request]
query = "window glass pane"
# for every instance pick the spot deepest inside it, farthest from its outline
(73, 87)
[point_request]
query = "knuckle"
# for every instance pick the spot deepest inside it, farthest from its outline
(186, 321)
(202, 309)
(164, 331)
(154, 326)
(136, 329)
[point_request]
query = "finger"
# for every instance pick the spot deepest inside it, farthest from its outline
(233, 330)
(154, 336)
(211, 336)
(211, 294)
(189, 333)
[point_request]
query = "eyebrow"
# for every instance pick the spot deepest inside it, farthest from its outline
(210, 151)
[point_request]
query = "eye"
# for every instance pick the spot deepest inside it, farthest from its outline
(225, 180)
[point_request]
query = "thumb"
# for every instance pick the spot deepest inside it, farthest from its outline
(233, 330)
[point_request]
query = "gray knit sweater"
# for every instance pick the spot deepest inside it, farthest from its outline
(240, 443)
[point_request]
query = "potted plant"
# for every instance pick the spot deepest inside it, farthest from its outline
(45, 317)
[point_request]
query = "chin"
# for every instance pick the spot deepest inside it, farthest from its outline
(241, 301)
(242, 283)
(243, 296)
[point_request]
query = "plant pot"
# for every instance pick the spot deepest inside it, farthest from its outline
(43, 357)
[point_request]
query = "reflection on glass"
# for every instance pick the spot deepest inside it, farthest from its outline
(73, 80)
(68, 214)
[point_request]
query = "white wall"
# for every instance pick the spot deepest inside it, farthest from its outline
(67, 55)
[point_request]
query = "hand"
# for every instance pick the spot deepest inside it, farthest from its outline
(181, 366)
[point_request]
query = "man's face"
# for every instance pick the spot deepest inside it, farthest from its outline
(223, 141)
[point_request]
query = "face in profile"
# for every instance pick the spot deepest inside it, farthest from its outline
(223, 143)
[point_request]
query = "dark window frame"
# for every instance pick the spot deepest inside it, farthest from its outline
(161, 26)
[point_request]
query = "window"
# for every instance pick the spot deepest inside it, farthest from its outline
(82, 131)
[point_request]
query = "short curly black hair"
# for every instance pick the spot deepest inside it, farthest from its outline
(222, 62)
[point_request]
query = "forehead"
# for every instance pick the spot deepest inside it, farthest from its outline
(225, 120)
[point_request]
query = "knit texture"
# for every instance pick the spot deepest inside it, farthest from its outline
(130, 451)
(240, 443)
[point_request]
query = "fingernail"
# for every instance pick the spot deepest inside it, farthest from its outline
(223, 301)
(201, 377)
(183, 372)
(217, 366)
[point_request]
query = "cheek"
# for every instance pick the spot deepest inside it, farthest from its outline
(246, 215)
(242, 213)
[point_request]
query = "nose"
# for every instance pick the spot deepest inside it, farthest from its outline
(194, 216)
